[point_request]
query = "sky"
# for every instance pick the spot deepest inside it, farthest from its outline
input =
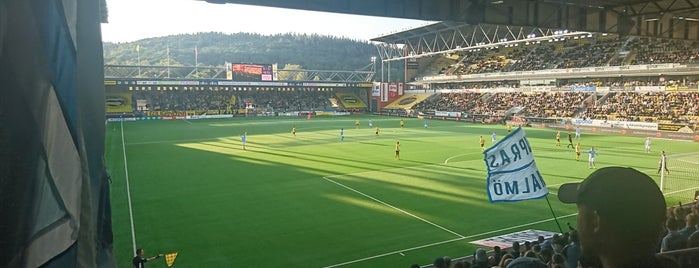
(131, 20)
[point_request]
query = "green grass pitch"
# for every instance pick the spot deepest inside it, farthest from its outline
(315, 201)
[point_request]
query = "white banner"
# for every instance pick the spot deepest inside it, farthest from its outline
(376, 90)
(512, 172)
(614, 124)
(384, 92)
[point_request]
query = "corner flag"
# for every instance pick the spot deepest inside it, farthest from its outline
(512, 172)
(170, 258)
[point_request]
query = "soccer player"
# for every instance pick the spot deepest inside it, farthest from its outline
(425, 123)
(139, 261)
(397, 150)
(371, 123)
(377, 131)
(509, 128)
(648, 145)
(493, 137)
(577, 133)
(243, 139)
(662, 164)
(558, 138)
(591, 157)
(482, 142)
(356, 123)
(293, 131)
(577, 151)
(570, 141)
(342, 134)
(402, 123)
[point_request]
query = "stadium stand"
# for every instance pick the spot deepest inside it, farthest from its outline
(563, 249)
(167, 102)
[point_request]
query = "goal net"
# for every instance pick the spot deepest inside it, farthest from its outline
(679, 177)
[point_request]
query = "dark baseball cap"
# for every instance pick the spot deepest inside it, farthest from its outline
(619, 194)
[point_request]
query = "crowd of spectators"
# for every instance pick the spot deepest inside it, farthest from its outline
(560, 54)
(220, 101)
(682, 231)
(662, 107)
(452, 102)
(655, 51)
(569, 52)
(560, 251)
(563, 250)
(533, 104)
(648, 106)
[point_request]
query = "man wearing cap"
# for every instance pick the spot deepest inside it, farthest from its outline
(618, 208)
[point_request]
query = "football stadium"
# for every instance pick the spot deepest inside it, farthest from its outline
(559, 136)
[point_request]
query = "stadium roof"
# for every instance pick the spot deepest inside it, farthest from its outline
(418, 32)
(677, 19)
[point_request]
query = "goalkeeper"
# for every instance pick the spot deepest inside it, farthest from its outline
(140, 262)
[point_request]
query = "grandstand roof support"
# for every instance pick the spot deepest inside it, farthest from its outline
(441, 38)
(366, 74)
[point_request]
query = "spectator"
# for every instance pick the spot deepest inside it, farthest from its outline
(572, 250)
(506, 259)
(560, 260)
(439, 263)
(480, 259)
(516, 249)
(620, 216)
(672, 240)
(546, 254)
(689, 228)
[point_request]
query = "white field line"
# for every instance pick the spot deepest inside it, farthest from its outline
(128, 189)
(688, 161)
(394, 207)
(172, 141)
(682, 154)
(444, 242)
(446, 161)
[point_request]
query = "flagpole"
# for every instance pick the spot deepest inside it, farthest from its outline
(554, 214)
(168, 61)
(138, 52)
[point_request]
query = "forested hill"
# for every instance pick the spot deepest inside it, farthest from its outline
(310, 52)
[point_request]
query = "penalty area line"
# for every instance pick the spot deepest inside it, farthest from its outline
(446, 241)
(394, 207)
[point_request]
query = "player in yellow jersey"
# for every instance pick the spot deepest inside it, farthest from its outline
(558, 139)
(397, 150)
(509, 128)
(356, 123)
(402, 123)
(577, 152)
(293, 131)
(377, 131)
(482, 142)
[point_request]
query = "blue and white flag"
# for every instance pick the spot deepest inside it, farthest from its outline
(512, 172)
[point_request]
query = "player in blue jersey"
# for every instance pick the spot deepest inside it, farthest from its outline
(243, 139)
(493, 137)
(591, 157)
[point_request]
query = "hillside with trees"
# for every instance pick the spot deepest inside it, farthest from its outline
(309, 52)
